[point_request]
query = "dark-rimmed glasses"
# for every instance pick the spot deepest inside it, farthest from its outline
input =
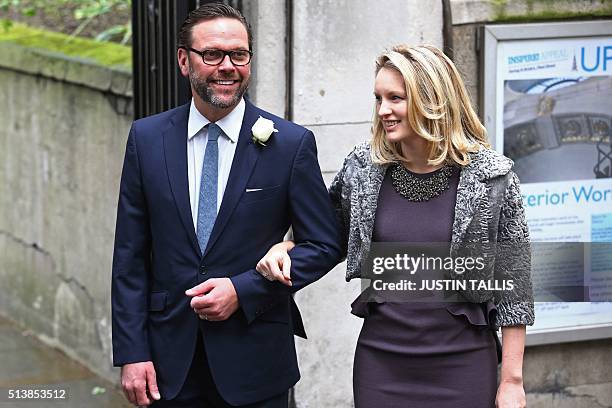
(214, 56)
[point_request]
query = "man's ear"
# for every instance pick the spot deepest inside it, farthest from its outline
(182, 57)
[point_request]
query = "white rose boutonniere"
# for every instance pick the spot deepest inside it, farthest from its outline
(262, 130)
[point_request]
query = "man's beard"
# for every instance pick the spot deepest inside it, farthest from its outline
(207, 94)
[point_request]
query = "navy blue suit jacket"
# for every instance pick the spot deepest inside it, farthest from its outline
(156, 255)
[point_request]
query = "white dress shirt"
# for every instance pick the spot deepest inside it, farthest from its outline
(197, 137)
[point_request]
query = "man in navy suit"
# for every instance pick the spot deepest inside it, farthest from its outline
(202, 198)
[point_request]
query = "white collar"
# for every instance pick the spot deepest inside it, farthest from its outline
(230, 123)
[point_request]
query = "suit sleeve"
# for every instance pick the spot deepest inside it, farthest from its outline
(315, 233)
(131, 263)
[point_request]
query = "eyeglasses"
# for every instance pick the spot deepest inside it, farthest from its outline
(216, 57)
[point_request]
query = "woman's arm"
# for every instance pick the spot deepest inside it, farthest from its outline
(339, 196)
(511, 393)
(514, 308)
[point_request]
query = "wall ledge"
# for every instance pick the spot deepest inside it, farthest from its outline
(482, 11)
(54, 65)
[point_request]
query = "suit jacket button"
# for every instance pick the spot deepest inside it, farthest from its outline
(202, 270)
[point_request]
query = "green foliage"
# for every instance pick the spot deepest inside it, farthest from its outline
(90, 9)
(124, 30)
(5, 4)
(6, 24)
(554, 15)
(542, 10)
(104, 53)
(85, 11)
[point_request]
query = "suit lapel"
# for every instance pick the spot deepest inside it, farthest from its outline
(244, 161)
(175, 148)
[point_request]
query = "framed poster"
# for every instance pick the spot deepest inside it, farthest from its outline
(546, 101)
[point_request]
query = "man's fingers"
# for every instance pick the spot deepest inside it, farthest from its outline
(129, 394)
(207, 313)
(134, 380)
(202, 295)
(152, 384)
(201, 303)
(201, 289)
(222, 301)
(141, 393)
(209, 317)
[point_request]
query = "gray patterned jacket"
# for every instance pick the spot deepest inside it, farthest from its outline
(489, 209)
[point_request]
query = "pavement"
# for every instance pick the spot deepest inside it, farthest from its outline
(26, 365)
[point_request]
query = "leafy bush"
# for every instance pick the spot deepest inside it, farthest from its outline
(83, 13)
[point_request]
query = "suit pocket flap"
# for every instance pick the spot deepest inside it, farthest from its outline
(157, 301)
(261, 194)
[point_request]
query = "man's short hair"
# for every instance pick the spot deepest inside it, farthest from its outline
(210, 11)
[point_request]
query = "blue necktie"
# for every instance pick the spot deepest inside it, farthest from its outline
(207, 206)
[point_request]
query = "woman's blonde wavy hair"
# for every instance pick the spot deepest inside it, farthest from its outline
(439, 108)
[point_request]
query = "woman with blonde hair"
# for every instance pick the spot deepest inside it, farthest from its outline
(428, 175)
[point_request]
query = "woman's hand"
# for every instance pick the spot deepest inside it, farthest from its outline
(511, 394)
(276, 264)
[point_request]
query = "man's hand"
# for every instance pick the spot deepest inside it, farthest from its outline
(139, 383)
(214, 300)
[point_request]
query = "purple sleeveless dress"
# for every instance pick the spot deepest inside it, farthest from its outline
(423, 355)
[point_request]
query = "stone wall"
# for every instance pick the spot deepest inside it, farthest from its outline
(64, 127)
